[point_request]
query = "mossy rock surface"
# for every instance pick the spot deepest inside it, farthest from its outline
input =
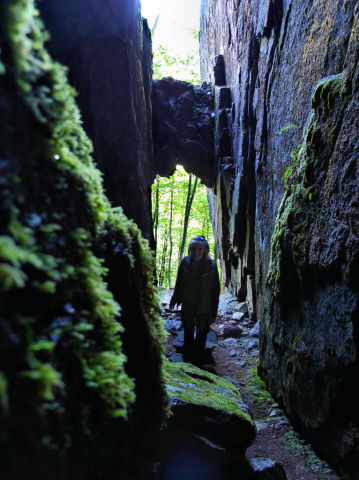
(76, 283)
(308, 333)
(208, 405)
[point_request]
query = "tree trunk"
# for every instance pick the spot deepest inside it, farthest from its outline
(163, 259)
(190, 196)
(170, 240)
(155, 215)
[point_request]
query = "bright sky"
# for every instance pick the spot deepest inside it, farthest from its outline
(178, 18)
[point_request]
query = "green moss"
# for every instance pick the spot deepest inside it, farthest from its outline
(300, 448)
(255, 387)
(4, 399)
(305, 182)
(46, 377)
(190, 384)
(44, 87)
(94, 326)
(325, 92)
(287, 127)
(287, 173)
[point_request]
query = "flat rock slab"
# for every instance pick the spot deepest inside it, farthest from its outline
(267, 469)
(227, 304)
(232, 332)
(208, 406)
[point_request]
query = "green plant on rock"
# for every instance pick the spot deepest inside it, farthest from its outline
(191, 384)
(287, 173)
(287, 127)
(46, 377)
(255, 387)
(301, 448)
(290, 169)
(4, 399)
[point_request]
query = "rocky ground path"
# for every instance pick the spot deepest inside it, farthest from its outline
(232, 351)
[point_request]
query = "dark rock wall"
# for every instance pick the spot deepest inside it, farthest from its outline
(73, 273)
(107, 47)
(274, 53)
(303, 283)
(183, 128)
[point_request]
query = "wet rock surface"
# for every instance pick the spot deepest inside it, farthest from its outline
(314, 323)
(274, 54)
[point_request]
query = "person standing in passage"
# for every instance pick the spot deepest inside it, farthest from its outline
(197, 291)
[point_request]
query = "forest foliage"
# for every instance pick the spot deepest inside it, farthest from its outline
(176, 220)
(169, 63)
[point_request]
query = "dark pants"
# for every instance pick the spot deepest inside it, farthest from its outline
(194, 347)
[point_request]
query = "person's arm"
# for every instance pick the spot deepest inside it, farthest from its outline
(176, 297)
(216, 288)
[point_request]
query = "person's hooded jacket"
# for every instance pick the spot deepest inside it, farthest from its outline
(198, 285)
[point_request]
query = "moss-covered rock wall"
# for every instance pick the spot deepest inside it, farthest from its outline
(107, 49)
(286, 202)
(81, 393)
(309, 330)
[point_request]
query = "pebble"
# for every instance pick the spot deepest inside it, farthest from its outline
(237, 316)
(281, 424)
(241, 307)
(275, 413)
(232, 332)
(233, 353)
(261, 425)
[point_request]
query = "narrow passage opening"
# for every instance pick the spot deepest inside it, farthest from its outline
(179, 212)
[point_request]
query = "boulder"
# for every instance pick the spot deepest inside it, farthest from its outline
(183, 128)
(212, 337)
(252, 343)
(208, 406)
(232, 332)
(238, 315)
(177, 358)
(255, 331)
(173, 325)
(227, 304)
(241, 307)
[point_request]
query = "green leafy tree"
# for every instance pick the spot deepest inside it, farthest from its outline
(168, 63)
(180, 200)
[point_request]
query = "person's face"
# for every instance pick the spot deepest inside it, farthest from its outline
(198, 251)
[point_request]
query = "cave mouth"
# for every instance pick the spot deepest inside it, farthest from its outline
(180, 211)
